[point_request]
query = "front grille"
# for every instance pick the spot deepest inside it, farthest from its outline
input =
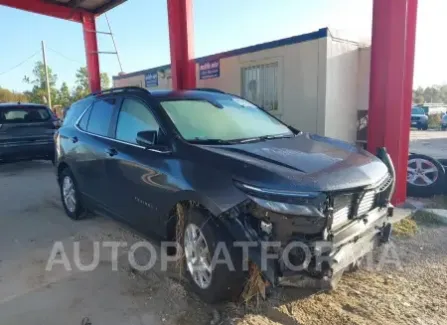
(342, 210)
(415, 118)
(366, 203)
(350, 206)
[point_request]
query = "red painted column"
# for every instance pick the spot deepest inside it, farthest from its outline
(181, 40)
(91, 51)
(391, 80)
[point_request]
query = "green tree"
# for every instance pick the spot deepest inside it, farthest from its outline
(38, 93)
(64, 98)
(418, 95)
(82, 87)
(7, 96)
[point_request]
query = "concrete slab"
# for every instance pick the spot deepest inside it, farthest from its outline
(431, 143)
(31, 220)
(441, 213)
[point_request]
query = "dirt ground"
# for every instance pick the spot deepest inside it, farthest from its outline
(431, 142)
(410, 291)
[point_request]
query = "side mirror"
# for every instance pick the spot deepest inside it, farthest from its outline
(147, 138)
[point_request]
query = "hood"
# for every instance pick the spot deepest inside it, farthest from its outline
(305, 162)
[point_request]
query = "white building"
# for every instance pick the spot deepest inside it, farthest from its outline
(316, 82)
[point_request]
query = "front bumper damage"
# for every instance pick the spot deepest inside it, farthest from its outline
(320, 254)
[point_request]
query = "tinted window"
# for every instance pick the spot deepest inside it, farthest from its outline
(100, 116)
(75, 110)
(133, 118)
(417, 110)
(84, 120)
(24, 114)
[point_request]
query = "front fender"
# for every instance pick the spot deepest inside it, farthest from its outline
(242, 232)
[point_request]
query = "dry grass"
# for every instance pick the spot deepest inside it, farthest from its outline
(255, 285)
(179, 231)
(405, 228)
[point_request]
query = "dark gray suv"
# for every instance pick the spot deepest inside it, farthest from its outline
(204, 168)
(26, 131)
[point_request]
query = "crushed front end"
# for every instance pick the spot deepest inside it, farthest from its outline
(314, 236)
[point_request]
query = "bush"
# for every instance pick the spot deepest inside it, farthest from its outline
(434, 120)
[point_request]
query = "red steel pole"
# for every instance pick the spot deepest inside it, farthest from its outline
(91, 51)
(390, 96)
(181, 40)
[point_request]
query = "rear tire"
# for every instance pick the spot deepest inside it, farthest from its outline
(70, 195)
(224, 283)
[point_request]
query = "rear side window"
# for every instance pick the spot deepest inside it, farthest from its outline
(100, 116)
(24, 114)
(75, 110)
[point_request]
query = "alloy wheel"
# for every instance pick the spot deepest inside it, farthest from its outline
(197, 256)
(69, 193)
(421, 172)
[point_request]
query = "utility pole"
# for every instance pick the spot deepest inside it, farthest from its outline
(46, 75)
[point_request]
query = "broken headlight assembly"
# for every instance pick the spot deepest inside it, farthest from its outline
(309, 204)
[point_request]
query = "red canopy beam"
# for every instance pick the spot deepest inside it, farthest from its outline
(391, 81)
(91, 51)
(183, 67)
(46, 8)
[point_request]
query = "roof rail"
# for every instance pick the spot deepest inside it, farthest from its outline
(119, 89)
(213, 90)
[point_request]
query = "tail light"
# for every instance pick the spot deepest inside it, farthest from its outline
(57, 123)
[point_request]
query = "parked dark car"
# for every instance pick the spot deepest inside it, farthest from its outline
(26, 132)
(240, 174)
(444, 122)
(419, 118)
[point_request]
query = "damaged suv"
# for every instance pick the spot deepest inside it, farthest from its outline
(222, 170)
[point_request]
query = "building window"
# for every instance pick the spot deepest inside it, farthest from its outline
(260, 85)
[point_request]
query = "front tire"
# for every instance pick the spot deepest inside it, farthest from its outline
(71, 198)
(202, 235)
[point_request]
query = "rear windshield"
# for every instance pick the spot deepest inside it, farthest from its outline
(24, 114)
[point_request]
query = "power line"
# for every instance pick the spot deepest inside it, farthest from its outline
(18, 65)
(64, 56)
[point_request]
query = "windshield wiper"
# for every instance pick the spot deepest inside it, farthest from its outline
(278, 136)
(209, 141)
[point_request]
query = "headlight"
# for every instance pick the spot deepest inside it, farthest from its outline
(288, 208)
(286, 202)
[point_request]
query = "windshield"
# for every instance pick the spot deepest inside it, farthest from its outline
(417, 111)
(226, 118)
(23, 114)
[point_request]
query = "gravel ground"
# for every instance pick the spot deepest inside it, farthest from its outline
(412, 291)
(31, 219)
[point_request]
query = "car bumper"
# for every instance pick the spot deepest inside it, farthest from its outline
(419, 123)
(32, 150)
(348, 245)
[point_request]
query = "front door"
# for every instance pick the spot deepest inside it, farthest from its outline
(138, 175)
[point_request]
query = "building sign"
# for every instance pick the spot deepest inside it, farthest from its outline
(151, 79)
(209, 70)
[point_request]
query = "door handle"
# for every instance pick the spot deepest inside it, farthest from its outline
(111, 152)
(74, 139)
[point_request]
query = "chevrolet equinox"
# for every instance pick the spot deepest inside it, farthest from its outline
(240, 174)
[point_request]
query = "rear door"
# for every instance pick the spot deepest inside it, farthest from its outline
(26, 124)
(91, 149)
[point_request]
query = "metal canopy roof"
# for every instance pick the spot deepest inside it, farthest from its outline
(96, 7)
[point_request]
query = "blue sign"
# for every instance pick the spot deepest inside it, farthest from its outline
(209, 70)
(151, 79)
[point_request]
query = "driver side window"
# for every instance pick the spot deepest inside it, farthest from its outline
(134, 117)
